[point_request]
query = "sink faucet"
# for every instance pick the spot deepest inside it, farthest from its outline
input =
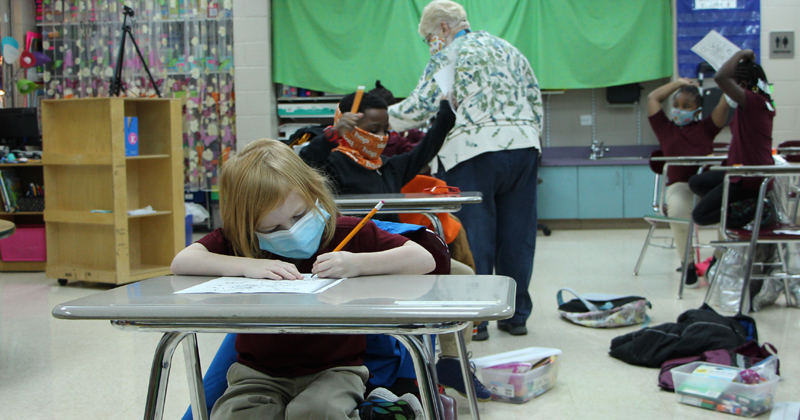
(597, 150)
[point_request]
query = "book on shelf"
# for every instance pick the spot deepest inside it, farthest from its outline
(11, 189)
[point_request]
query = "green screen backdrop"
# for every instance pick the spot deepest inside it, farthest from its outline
(336, 45)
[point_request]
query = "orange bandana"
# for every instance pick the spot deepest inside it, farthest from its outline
(362, 146)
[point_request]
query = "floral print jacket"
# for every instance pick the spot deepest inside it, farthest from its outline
(498, 97)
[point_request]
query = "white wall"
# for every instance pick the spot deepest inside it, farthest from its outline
(256, 109)
(784, 73)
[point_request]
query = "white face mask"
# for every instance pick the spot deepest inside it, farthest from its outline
(731, 102)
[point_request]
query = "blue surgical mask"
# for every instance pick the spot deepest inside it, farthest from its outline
(301, 241)
(682, 117)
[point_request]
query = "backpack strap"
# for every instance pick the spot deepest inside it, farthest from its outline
(589, 305)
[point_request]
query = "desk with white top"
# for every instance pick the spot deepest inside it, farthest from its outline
(403, 306)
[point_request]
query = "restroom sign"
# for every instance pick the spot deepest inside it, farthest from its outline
(781, 45)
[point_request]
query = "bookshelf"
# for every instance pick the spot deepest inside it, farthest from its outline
(27, 172)
(85, 169)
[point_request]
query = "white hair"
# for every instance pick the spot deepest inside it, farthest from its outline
(439, 11)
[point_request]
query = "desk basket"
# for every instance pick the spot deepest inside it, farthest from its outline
(30, 203)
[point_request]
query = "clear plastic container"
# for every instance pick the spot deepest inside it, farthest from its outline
(722, 395)
(508, 378)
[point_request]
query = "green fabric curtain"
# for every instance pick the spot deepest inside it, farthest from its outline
(334, 46)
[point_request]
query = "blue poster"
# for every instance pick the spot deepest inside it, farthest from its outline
(737, 20)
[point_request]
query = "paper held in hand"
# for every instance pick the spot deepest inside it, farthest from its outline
(715, 49)
(245, 285)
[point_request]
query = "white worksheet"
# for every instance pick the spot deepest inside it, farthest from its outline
(245, 285)
(715, 49)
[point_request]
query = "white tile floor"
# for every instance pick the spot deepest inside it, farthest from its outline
(53, 369)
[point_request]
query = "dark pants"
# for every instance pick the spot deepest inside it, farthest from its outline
(502, 228)
(708, 185)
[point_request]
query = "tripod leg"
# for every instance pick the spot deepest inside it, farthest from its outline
(116, 81)
(144, 63)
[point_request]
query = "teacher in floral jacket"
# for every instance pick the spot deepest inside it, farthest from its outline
(493, 148)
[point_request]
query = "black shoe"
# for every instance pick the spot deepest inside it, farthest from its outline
(483, 332)
(691, 278)
(513, 329)
(448, 370)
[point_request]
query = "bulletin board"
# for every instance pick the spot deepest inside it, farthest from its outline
(737, 20)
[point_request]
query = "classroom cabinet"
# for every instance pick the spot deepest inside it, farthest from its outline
(595, 192)
(92, 184)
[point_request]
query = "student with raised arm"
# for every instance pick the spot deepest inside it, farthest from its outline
(683, 133)
(744, 84)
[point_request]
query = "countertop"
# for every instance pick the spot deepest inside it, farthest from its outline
(579, 156)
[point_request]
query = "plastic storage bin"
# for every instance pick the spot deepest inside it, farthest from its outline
(28, 243)
(723, 395)
(498, 374)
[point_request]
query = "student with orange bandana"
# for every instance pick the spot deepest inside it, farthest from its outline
(350, 151)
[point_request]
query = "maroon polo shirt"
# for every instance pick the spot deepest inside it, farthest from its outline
(293, 355)
(693, 139)
(751, 143)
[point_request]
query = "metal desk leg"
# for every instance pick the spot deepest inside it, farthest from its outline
(467, 374)
(686, 256)
(195, 375)
(437, 224)
(159, 375)
(423, 366)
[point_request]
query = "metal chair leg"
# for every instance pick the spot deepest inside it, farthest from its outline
(194, 373)
(644, 248)
(159, 375)
(423, 367)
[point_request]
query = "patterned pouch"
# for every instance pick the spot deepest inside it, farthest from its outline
(603, 311)
(742, 212)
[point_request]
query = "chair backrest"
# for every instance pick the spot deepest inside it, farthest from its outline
(790, 156)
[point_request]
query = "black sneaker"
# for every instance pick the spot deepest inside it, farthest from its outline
(448, 370)
(691, 278)
(511, 328)
(483, 332)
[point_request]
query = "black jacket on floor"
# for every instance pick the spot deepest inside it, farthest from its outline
(696, 331)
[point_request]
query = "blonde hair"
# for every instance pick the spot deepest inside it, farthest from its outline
(256, 181)
(439, 11)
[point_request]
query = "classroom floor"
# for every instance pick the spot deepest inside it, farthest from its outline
(54, 369)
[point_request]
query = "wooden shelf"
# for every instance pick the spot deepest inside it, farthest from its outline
(76, 159)
(22, 265)
(21, 213)
(158, 213)
(78, 216)
(143, 157)
(85, 168)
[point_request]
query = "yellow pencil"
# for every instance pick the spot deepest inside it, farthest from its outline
(357, 100)
(359, 226)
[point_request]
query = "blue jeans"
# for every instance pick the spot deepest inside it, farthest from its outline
(502, 229)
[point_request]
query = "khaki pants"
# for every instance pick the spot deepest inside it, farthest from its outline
(331, 394)
(448, 341)
(679, 205)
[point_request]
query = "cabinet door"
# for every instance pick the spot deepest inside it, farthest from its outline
(557, 195)
(600, 192)
(639, 184)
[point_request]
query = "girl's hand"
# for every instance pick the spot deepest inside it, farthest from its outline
(347, 123)
(270, 269)
(337, 265)
(688, 82)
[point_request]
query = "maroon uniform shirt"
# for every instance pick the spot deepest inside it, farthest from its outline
(693, 139)
(751, 143)
(292, 355)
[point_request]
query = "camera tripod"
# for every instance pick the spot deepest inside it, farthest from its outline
(116, 80)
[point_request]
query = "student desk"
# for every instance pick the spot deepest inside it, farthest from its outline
(686, 161)
(426, 204)
(403, 306)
